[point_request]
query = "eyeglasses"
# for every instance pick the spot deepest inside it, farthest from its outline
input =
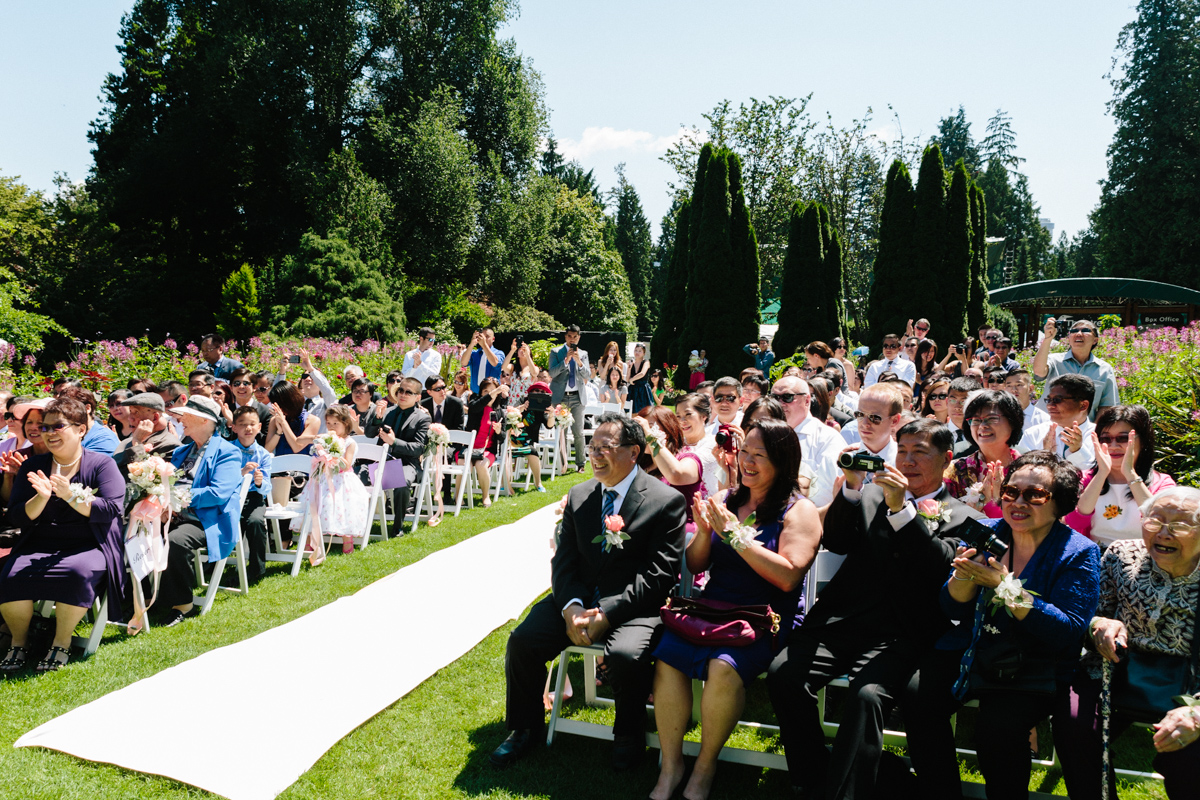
(787, 398)
(957, 401)
(979, 422)
(460, 382)
(393, 380)
(195, 386)
(239, 383)
(9, 415)
(1152, 525)
(408, 393)
(602, 450)
(262, 389)
(1120, 438)
(938, 396)
(874, 419)
(361, 391)
(1056, 399)
(441, 388)
(1034, 495)
(991, 338)
(910, 346)
(895, 346)
(58, 426)
(922, 327)
(1083, 330)
(725, 398)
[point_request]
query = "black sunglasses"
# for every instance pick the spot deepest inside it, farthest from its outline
(58, 426)
(724, 398)
(239, 383)
(409, 393)
(939, 396)
(441, 388)
(788, 397)
(394, 380)
(874, 419)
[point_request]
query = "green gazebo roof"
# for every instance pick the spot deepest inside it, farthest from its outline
(1131, 288)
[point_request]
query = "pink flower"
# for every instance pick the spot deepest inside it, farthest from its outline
(928, 508)
(562, 504)
(614, 523)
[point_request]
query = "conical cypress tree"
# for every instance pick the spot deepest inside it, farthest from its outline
(793, 290)
(978, 309)
(745, 303)
(1022, 271)
(679, 348)
(804, 317)
(672, 303)
(929, 243)
(955, 278)
(834, 283)
(711, 266)
(887, 309)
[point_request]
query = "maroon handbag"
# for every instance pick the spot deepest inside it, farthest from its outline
(713, 623)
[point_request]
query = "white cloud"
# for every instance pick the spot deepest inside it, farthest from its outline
(601, 140)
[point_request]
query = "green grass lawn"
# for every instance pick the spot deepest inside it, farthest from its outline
(433, 743)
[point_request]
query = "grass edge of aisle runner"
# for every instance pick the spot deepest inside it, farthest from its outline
(434, 742)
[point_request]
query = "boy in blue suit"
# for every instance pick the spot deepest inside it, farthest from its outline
(212, 470)
(256, 461)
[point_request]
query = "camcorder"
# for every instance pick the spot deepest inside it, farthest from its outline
(984, 539)
(860, 462)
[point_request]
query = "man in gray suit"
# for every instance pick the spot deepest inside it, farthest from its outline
(569, 371)
(602, 593)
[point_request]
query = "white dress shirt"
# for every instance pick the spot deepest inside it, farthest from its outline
(906, 370)
(1035, 416)
(850, 433)
(1083, 458)
(819, 448)
(897, 519)
(431, 365)
(849, 399)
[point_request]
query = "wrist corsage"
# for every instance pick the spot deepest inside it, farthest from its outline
(1011, 594)
(740, 537)
(82, 494)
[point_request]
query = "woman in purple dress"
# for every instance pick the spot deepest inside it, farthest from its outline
(769, 568)
(68, 505)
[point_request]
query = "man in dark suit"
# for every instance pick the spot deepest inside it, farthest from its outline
(447, 409)
(875, 618)
(405, 430)
(602, 593)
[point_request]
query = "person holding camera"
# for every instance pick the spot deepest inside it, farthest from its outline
(481, 359)
(569, 373)
(425, 361)
(1148, 601)
(1083, 336)
(762, 354)
(1040, 577)
(524, 371)
(878, 419)
(878, 615)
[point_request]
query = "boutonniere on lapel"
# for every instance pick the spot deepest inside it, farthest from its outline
(934, 513)
(614, 534)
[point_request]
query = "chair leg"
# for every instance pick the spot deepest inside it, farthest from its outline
(559, 685)
(240, 554)
(301, 543)
(101, 620)
(214, 584)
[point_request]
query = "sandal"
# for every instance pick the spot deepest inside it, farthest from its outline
(14, 660)
(52, 662)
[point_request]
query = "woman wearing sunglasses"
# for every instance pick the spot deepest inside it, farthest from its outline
(1122, 479)
(993, 422)
(1019, 661)
(68, 503)
(937, 398)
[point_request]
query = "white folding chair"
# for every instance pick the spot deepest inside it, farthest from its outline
(497, 470)
(279, 465)
(239, 558)
(377, 503)
(461, 472)
(423, 508)
(615, 408)
(364, 439)
(628, 408)
(823, 568)
(549, 449)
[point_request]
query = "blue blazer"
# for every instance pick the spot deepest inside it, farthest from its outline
(216, 493)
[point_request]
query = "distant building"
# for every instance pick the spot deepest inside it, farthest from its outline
(1048, 225)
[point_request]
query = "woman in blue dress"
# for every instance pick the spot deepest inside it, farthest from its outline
(768, 569)
(639, 379)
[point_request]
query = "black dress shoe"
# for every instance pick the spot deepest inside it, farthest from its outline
(515, 747)
(628, 752)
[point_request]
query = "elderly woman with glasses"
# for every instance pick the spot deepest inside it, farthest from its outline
(68, 503)
(1083, 336)
(1149, 590)
(1040, 579)
(993, 422)
(368, 414)
(1123, 437)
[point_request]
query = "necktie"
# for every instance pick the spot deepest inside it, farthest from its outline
(437, 413)
(958, 435)
(571, 371)
(610, 502)
(308, 404)
(889, 366)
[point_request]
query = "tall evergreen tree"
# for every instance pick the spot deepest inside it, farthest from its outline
(636, 247)
(711, 265)
(954, 137)
(680, 347)
(1021, 271)
(888, 308)
(745, 303)
(955, 275)
(803, 319)
(794, 287)
(929, 240)
(672, 302)
(833, 280)
(1148, 219)
(978, 308)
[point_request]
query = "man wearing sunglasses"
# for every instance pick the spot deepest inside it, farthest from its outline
(425, 361)
(241, 383)
(727, 403)
(1068, 434)
(819, 443)
(920, 330)
(891, 362)
(857, 626)
(878, 419)
(1083, 336)
(987, 342)
(405, 430)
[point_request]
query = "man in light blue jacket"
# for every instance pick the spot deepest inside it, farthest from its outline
(569, 374)
(212, 470)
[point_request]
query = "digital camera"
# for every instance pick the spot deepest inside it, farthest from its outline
(725, 439)
(984, 539)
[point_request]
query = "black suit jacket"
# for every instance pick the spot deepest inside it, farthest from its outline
(633, 580)
(452, 415)
(410, 437)
(888, 585)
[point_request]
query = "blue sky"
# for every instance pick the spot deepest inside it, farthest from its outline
(622, 77)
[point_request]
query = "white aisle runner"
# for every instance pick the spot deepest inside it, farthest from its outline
(391, 636)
